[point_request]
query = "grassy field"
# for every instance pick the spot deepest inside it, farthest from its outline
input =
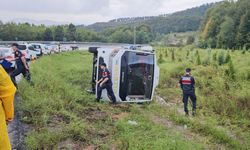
(62, 115)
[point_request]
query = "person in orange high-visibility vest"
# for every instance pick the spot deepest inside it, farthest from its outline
(7, 93)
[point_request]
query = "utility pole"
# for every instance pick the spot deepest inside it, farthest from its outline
(134, 35)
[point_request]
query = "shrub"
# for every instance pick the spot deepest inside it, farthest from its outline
(228, 58)
(215, 56)
(248, 76)
(160, 60)
(166, 53)
(198, 60)
(188, 53)
(196, 53)
(221, 58)
(206, 61)
(230, 72)
(173, 55)
(243, 52)
(190, 40)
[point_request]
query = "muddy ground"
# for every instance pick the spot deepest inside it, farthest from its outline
(16, 129)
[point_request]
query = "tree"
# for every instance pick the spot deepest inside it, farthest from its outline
(243, 36)
(59, 34)
(122, 35)
(48, 35)
(230, 72)
(71, 32)
(226, 25)
(226, 36)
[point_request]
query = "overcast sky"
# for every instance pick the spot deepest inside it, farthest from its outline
(90, 11)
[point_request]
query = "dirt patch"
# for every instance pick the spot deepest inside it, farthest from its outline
(123, 107)
(69, 144)
(95, 114)
(162, 102)
(94, 133)
(169, 124)
(186, 133)
(101, 135)
(90, 147)
(119, 116)
(57, 120)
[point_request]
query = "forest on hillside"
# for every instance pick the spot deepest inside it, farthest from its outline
(182, 21)
(30, 32)
(227, 25)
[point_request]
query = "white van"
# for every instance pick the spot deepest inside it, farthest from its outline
(28, 50)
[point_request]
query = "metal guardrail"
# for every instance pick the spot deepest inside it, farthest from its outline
(61, 42)
(80, 45)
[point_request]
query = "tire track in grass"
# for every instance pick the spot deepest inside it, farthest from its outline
(184, 130)
(186, 133)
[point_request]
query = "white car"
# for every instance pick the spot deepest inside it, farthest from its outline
(7, 54)
(65, 48)
(28, 51)
(52, 48)
(38, 48)
(45, 49)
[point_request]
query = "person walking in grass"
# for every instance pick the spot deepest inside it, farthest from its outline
(187, 84)
(21, 65)
(7, 93)
(105, 83)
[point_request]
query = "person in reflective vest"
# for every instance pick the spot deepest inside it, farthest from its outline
(187, 84)
(7, 93)
(105, 83)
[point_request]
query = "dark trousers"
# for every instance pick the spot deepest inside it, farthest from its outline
(18, 71)
(110, 92)
(192, 96)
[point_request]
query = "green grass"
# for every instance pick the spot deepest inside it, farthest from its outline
(223, 102)
(58, 108)
(147, 135)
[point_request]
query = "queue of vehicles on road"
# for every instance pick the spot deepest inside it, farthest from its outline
(31, 51)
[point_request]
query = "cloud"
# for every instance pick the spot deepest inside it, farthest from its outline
(54, 6)
(90, 11)
(135, 7)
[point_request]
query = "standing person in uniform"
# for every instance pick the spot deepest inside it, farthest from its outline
(187, 84)
(7, 93)
(21, 65)
(105, 83)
